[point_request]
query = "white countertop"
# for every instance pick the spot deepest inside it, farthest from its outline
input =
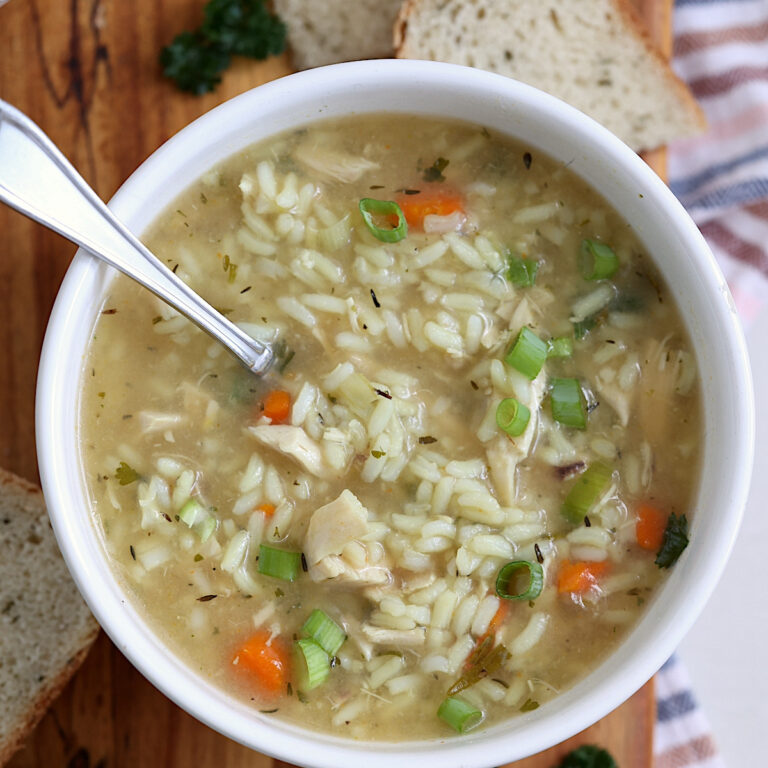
(726, 652)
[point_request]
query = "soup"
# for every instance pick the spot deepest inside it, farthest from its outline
(466, 474)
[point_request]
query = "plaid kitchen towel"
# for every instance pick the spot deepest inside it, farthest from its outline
(721, 51)
(682, 737)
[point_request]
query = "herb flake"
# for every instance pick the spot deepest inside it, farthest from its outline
(674, 542)
(435, 171)
(125, 474)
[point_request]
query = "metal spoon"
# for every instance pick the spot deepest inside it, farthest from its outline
(38, 181)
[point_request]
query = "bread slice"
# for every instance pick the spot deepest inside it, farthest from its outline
(337, 30)
(594, 54)
(45, 627)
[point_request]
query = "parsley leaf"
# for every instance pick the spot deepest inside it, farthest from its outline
(244, 28)
(588, 756)
(126, 474)
(435, 171)
(194, 62)
(674, 542)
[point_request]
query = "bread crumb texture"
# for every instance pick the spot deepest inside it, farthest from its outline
(593, 54)
(338, 30)
(45, 626)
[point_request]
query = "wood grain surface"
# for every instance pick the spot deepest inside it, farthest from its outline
(87, 72)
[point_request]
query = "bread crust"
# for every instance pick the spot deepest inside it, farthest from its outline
(625, 9)
(50, 690)
(631, 21)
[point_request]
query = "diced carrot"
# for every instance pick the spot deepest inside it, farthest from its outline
(493, 625)
(265, 659)
(437, 202)
(580, 577)
(498, 617)
(277, 406)
(267, 509)
(650, 527)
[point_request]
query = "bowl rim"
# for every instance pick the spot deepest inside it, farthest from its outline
(531, 733)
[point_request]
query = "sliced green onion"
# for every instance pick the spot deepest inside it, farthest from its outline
(198, 518)
(597, 261)
(383, 208)
(279, 563)
(512, 416)
(315, 664)
(567, 403)
(520, 271)
(324, 631)
(206, 528)
(583, 327)
(587, 491)
(511, 571)
(560, 347)
(527, 354)
(460, 715)
(191, 512)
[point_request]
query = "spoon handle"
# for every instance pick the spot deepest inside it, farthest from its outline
(38, 181)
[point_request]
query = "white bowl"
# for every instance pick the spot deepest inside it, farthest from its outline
(602, 160)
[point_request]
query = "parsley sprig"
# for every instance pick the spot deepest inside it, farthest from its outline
(588, 756)
(195, 60)
(674, 542)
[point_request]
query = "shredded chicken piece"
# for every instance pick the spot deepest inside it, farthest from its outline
(618, 398)
(505, 453)
(332, 528)
(294, 442)
(660, 373)
(333, 163)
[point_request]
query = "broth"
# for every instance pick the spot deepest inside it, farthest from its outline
(395, 371)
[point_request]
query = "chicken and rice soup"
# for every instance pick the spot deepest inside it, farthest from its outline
(467, 472)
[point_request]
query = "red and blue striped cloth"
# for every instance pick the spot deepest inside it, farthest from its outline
(721, 51)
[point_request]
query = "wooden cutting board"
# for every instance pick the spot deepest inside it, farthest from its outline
(87, 72)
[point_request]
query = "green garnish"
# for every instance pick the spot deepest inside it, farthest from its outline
(383, 209)
(244, 28)
(125, 474)
(521, 271)
(195, 60)
(527, 354)
(460, 715)
(279, 563)
(435, 171)
(510, 572)
(324, 631)
(586, 492)
(588, 756)
(378, 454)
(512, 416)
(529, 705)
(674, 542)
(583, 327)
(597, 261)
(482, 662)
(314, 664)
(560, 347)
(567, 403)
(198, 518)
